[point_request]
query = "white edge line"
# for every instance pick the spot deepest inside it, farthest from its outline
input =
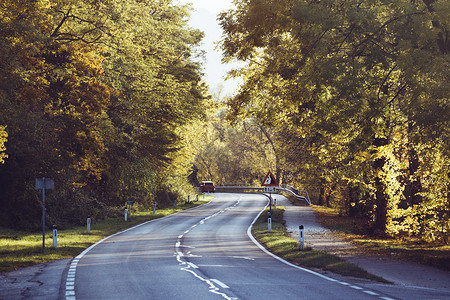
(249, 233)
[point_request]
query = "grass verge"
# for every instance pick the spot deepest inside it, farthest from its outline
(19, 249)
(352, 229)
(278, 242)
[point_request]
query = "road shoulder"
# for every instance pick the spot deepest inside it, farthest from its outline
(42, 281)
(319, 238)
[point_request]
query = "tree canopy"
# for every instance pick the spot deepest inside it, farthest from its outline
(357, 93)
(93, 94)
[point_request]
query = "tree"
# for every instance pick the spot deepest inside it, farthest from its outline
(106, 87)
(348, 79)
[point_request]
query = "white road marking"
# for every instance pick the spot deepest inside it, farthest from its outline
(243, 257)
(356, 287)
(70, 295)
(370, 293)
(216, 266)
(220, 283)
(249, 233)
(192, 265)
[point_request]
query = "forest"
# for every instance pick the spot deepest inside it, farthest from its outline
(347, 100)
(352, 98)
(100, 96)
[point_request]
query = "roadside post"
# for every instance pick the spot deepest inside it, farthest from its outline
(270, 186)
(302, 240)
(42, 184)
(189, 199)
(125, 214)
(88, 225)
(130, 204)
(154, 207)
(270, 202)
(55, 236)
(269, 221)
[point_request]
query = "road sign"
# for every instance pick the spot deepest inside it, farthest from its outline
(45, 183)
(270, 189)
(269, 180)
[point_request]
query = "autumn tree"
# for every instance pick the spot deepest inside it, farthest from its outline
(105, 87)
(359, 84)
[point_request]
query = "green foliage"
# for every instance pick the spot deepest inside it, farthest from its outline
(3, 140)
(233, 154)
(356, 96)
(106, 87)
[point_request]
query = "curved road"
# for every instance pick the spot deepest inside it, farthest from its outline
(202, 253)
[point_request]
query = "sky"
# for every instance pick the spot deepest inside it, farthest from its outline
(204, 17)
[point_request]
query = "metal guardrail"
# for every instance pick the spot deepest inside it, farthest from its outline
(297, 192)
(283, 187)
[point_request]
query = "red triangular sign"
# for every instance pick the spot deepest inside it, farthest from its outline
(269, 180)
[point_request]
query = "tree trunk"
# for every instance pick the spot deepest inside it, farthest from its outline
(325, 192)
(322, 191)
(413, 185)
(381, 199)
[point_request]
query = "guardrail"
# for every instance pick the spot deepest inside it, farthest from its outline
(283, 187)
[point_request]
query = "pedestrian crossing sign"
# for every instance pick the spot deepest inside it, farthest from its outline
(269, 180)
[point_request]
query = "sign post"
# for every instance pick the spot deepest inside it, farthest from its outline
(270, 183)
(55, 236)
(130, 204)
(88, 225)
(42, 184)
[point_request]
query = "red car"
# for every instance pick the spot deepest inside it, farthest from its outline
(208, 186)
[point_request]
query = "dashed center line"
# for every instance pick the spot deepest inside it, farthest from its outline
(356, 287)
(371, 293)
(188, 266)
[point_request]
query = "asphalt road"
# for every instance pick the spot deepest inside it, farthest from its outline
(202, 253)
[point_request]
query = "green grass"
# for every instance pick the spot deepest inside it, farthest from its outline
(20, 249)
(278, 242)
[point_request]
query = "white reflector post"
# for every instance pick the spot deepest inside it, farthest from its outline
(302, 240)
